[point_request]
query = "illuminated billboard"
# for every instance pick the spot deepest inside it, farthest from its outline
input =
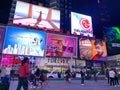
(80, 63)
(7, 60)
(85, 48)
(61, 45)
(21, 41)
(99, 50)
(113, 40)
(81, 24)
(34, 15)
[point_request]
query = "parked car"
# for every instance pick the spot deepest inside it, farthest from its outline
(52, 74)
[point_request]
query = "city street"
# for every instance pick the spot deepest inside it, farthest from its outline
(74, 85)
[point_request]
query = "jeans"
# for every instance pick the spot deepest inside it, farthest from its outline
(22, 82)
(82, 80)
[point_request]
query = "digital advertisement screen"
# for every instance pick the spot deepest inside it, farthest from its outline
(34, 15)
(52, 63)
(7, 60)
(21, 41)
(81, 24)
(85, 48)
(2, 35)
(113, 40)
(61, 46)
(99, 50)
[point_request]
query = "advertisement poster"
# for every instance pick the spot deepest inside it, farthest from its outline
(7, 60)
(61, 46)
(85, 48)
(21, 41)
(2, 35)
(81, 24)
(80, 63)
(34, 15)
(99, 50)
(52, 64)
(118, 57)
(113, 40)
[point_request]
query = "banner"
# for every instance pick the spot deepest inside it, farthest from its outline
(99, 50)
(61, 45)
(85, 48)
(34, 15)
(81, 24)
(113, 40)
(21, 41)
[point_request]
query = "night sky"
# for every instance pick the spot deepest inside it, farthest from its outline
(87, 7)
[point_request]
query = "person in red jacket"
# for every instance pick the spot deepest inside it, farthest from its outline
(24, 70)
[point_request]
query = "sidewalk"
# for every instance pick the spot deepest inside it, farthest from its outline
(75, 85)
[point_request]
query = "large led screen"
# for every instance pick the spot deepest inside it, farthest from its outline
(81, 24)
(113, 40)
(34, 15)
(22, 41)
(7, 60)
(85, 48)
(61, 46)
(99, 50)
(2, 35)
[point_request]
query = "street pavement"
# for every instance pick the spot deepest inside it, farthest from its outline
(74, 85)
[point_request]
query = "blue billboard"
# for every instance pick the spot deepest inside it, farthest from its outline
(21, 41)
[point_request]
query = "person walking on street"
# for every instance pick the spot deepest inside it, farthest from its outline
(116, 79)
(24, 71)
(82, 72)
(107, 75)
(112, 76)
(68, 76)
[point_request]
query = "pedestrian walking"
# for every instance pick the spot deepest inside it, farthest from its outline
(112, 76)
(24, 71)
(107, 75)
(68, 75)
(82, 72)
(116, 79)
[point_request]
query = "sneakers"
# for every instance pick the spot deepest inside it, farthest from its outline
(31, 87)
(82, 84)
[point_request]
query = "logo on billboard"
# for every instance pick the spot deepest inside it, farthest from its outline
(85, 24)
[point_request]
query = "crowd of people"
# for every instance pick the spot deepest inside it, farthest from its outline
(113, 77)
(35, 77)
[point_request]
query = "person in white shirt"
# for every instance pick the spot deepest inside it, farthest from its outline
(112, 76)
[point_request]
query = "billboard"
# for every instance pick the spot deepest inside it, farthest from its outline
(21, 41)
(34, 15)
(99, 50)
(7, 60)
(52, 63)
(80, 63)
(113, 40)
(85, 48)
(81, 24)
(2, 35)
(61, 45)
